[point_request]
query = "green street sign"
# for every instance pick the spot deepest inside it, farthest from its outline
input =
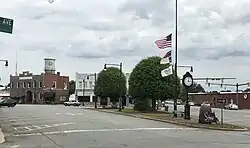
(6, 25)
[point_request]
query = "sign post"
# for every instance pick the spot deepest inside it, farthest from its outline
(6, 25)
(221, 102)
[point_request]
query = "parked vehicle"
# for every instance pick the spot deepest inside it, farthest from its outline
(72, 103)
(231, 106)
(191, 103)
(8, 102)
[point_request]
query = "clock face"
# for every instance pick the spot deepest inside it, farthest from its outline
(188, 81)
(50, 63)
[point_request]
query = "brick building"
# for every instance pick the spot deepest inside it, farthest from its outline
(242, 99)
(47, 87)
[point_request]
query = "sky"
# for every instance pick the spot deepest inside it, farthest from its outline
(83, 35)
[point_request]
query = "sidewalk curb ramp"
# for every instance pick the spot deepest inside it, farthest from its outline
(171, 122)
(2, 139)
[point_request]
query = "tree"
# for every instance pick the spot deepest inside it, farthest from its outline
(72, 87)
(111, 83)
(247, 90)
(195, 88)
(146, 83)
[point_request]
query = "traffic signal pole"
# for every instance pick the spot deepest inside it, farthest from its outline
(6, 62)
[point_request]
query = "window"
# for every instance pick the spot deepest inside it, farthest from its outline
(40, 84)
(90, 85)
(80, 84)
(24, 84)
(17, 85)
(11, 85)
(29, 84)
(53, 84)
(34, 84)
(65, 86)
(85, 85)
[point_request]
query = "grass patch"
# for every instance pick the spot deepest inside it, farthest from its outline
(169, 117)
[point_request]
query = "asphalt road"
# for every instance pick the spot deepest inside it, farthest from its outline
(44, 126)
(239, 117)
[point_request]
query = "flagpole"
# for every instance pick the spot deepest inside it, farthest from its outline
(176, 75)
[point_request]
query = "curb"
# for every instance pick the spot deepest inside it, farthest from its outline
(171, 122)
(2, 139)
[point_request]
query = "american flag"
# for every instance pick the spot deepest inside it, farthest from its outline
(164, 43)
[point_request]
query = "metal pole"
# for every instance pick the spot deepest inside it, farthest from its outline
(237, 94)
(120, 101)
(83, 89)
(221, 114)
(95, 95)
(176, 76)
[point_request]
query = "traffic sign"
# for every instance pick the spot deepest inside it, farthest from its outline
(222, 101)
(6, 25)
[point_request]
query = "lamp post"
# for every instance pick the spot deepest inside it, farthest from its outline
(95, 85)
(6, 62)
(120, 67)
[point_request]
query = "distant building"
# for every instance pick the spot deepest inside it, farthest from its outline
(85, 85)
(48, 87)
(242, 99)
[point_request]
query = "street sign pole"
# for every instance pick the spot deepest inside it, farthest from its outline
(221, 115)
(221, 102)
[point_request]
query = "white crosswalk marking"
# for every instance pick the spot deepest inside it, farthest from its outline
(39, 127)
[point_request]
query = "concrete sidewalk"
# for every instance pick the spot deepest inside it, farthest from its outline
(1, 136)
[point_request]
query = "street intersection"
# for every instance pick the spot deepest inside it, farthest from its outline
(47, 126)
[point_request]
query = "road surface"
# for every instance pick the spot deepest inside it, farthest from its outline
(44, 126)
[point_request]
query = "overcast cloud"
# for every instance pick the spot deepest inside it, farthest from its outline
(83, 35)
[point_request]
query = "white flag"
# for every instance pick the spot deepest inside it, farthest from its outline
(166, 72)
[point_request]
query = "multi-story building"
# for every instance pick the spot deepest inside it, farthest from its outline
(47, 87)
(85, 85)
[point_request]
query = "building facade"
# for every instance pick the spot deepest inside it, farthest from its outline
(242, 99)
(47, 87)
(85, 85)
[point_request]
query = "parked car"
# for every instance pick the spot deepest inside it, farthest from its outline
(72, 103)
(8, 102)
(191, 103)
(231, 106)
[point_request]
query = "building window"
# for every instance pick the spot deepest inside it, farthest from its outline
(80, 84)
(34, 84)
(53, 84)
(29, 84)
(65, 86)
(85, 85)
(24, 84)
(40, 84)
(11, 85)
(17, 85)
(90, 85)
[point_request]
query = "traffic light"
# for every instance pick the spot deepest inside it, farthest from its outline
(105, 67)
(6, 63)
(87, 77)
(208, 84)
(191, 70)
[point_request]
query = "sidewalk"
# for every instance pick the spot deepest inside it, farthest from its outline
(1, 136)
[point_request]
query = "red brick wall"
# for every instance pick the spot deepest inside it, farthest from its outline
(60, 80)
(212, 99)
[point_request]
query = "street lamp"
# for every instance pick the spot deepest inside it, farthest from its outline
(120, 67)
(95, 85)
